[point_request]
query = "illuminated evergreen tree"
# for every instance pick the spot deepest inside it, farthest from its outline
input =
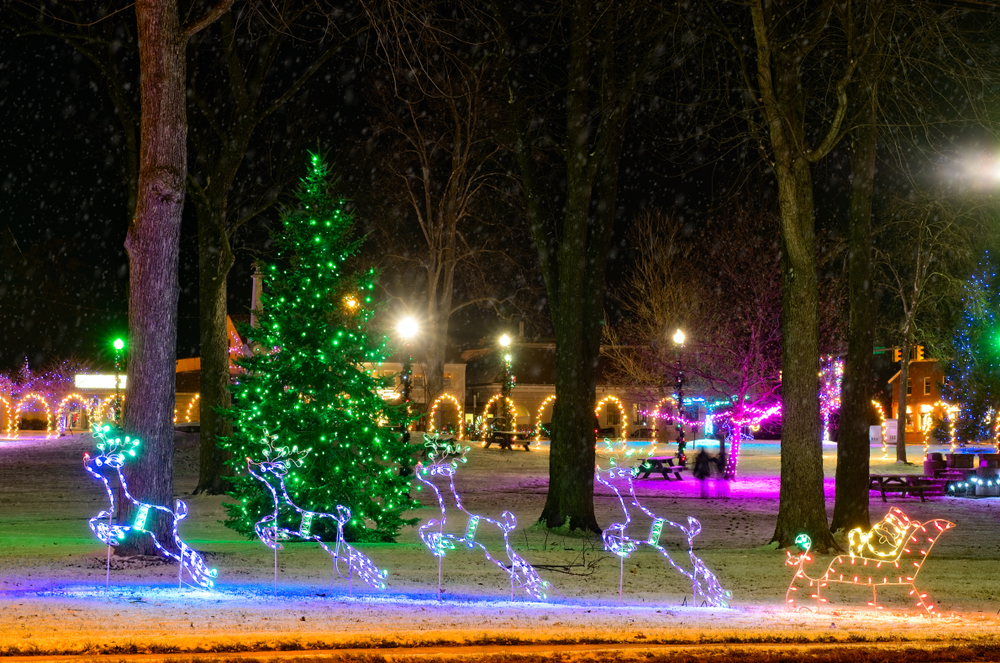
(305, 382)
(972, 377)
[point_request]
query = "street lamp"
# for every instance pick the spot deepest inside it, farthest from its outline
(407, 329)
(119, 346)
(679, 343)
(505, 385)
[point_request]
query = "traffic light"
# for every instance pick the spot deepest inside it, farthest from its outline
(920, 353)
(897, 355)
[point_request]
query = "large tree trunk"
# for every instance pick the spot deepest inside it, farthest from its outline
(215, 258)
(904, 375)
(153, 245)
(850, 509)
(802, 506)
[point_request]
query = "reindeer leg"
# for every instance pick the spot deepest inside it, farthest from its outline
(107, 577)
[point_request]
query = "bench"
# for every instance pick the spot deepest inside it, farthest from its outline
(507, 440)
(905, 484)
(664, 465)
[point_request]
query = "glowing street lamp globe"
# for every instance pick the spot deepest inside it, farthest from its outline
(679, 337)
(505, 340)
(407, 328)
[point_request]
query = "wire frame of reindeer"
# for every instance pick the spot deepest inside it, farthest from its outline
(890, 556)
(271, 472)
(623, 465)
(443, 459)
(113, 452)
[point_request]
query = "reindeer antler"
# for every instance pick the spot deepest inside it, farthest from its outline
(280, 456)
(114, 451)
(439, 450)
(622, 460)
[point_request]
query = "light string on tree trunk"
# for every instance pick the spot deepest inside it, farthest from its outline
(443, 459)
(276, 463)
(893, 541)
(114, 451)
(704, 585)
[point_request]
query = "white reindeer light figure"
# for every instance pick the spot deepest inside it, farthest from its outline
(275, 465)
(113, 454)
(704, 584)
(442, 461)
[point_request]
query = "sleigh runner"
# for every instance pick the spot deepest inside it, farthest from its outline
(895, 546)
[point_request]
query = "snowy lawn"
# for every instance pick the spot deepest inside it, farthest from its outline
(52, 570)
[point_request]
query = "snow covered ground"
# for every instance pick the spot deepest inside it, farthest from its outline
(52, 570)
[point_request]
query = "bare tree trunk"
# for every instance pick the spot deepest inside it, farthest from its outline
(904, 376)
(802, 505)
(153, 245)
(215, 258)
(850, 509)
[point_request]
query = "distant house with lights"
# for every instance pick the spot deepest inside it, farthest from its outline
(923, 392)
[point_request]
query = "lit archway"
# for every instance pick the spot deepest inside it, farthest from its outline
(37, 398)
(63, 404)
(485, 427)
(190, 408)
(538, 416)
(656, 412)
(434, 411)
(949, 413)
(881, 414)
(102, 408)
(9, 409)
(613, 400)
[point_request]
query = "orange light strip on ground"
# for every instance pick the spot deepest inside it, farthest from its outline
(894, 537)
(434, 409)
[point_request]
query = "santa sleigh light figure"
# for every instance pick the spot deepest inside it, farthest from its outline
(890, 555)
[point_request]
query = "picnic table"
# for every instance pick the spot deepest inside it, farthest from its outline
(506, 439)
(904, 483)
(662, 464)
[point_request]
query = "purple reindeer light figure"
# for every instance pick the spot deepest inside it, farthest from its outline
(113, 454)
(704, 584)
(276, 463)
(443, 459)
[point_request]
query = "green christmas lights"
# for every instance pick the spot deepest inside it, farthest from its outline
(306, 381)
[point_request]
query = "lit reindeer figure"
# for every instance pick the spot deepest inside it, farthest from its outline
(885, 545)
(271, 472)
(113, 454)
(704, 584)
(442, 461)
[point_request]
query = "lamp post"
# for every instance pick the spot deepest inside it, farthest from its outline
(119, 346)
(407, 329)
(505, 384)
(679, 343)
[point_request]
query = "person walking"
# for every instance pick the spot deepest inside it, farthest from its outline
(702, 470)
